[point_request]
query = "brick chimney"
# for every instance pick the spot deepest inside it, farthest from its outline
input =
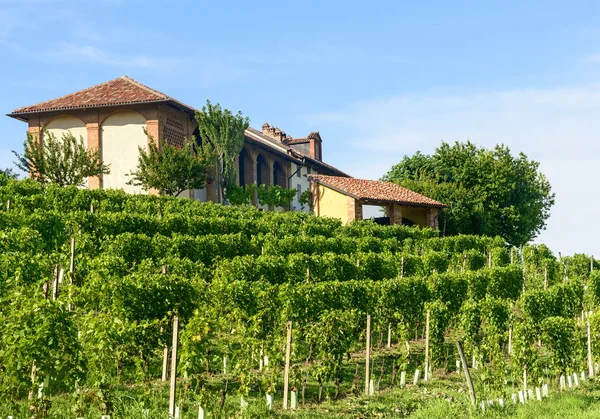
(274, 132)
(316, 151)
(268, 130)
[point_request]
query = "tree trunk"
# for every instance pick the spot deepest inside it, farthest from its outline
(207, 361)
(303, 390)
(381, 373)
(222, 400)
(320, 389)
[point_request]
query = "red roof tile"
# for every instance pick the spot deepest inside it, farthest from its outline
(375, 190)
(120, 91)
(297, 141)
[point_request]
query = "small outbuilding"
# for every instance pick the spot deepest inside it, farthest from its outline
(344, 197)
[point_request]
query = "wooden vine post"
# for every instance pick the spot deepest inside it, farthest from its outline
(389, 342)
(368, 355)
(72, 262)
(402, 267)
(545, 278)
(463, 361)
(165, 366)
(172, 387)
(286, 376)
(55, 283)
(427, 360)
(589, 347)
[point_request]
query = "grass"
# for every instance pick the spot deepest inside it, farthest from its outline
(440, 398)
(445, 396)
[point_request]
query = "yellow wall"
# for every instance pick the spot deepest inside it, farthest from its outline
(416, 215)
(332, 204)
(122, 134)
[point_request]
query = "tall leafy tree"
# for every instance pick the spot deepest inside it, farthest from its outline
(489, 192)
(171, 169)
(224, 132)
(64, 161)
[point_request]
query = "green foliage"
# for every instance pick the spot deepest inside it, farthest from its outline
(275, 196)
(240, 195)
(306, 199)
(439, 320)
(560, 336)
(171, 169)
(65, 161)
(488, 192)
(236, 275)
(222, 133)
(8, 173)
(36, 332)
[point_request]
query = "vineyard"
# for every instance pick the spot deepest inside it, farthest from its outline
(94, 283)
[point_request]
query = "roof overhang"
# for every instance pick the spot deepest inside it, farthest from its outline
(23, 116)
(364, 200)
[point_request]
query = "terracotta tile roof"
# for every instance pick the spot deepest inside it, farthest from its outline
(125, 90)
(375, 190)
(297, 141)
(121, 91)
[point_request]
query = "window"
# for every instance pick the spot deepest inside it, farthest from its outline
(279, 177)
(262, 171)
(308, 171)
(298, 170)
(298, 192)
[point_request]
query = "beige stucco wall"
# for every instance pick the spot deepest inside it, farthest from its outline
(416, 215)
(68, 123)
(121, 135)
(60, 125)
(332, 204)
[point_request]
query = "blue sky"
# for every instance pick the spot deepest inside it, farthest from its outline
(378, 79)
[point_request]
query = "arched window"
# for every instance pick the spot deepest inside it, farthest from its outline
(279, 175)
(262, 171)
(245, 169)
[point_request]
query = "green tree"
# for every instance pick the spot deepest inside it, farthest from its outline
(223, 133)
(64, 161)
(488, 192)
(8, 173)
(171, 169)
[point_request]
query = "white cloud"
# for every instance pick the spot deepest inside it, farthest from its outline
(594, 58)
(73, 52)
(559, 127)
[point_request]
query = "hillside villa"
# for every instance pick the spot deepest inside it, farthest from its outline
(112, 117)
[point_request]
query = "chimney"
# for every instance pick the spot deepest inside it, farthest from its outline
(279, 134)
(265, 128)
(315, 148)
(274, 132)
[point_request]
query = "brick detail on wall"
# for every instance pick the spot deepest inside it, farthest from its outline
(395, 212)
(431, 213)
(355, 210)
(174, 132)
(153, 129)
(93, 144)
(314, 191)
